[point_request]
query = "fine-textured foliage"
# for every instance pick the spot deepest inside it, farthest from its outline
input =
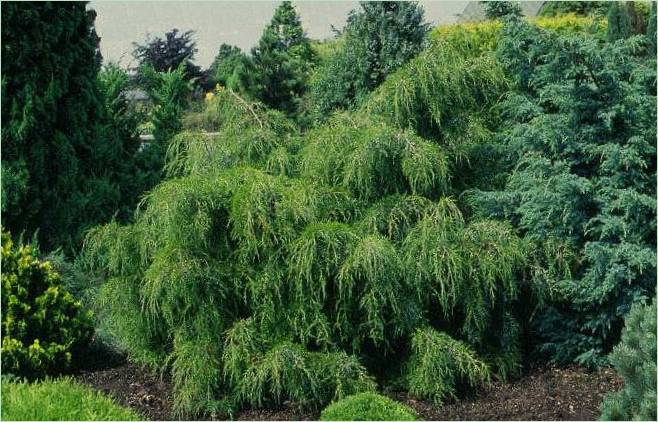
(376, 41)
(66, 161)
(367, 407)
(282, 266)
(61, 399)
(634, 358)
(277, 267)
(43, 325)
(439, 363)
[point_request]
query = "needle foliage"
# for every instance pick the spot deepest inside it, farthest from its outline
(276, 266)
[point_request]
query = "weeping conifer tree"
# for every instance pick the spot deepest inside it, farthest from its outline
(278, 266)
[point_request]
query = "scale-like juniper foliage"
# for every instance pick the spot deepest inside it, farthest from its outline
(581, 133)
(276, 266)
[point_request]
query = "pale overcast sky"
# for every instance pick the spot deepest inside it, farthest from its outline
(120, 23)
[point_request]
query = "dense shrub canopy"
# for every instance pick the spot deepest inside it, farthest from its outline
(43, 325)
(581, 134)
(492, 191)
(276, 266)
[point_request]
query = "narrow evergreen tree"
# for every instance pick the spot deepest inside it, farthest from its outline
(634, 359)
(500, 9)
(58, 161)
(619, 22)
(282, 61)
(223, 67)
(377, 40)
(651, 30)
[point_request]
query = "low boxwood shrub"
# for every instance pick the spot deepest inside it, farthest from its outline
(367, 407)
(43, 325)
(61, 399)
(634, 359)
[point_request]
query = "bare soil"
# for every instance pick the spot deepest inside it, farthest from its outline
(547, 393)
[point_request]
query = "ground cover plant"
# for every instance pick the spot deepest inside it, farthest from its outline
(60, 399)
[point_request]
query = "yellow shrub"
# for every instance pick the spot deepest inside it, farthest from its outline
(570, 23)
(474, 38)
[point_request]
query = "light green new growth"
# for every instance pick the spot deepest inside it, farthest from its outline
(439, 362)
(276, 266)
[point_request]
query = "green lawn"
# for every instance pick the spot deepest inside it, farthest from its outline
(60, 399)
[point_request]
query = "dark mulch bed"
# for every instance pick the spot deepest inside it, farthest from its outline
(132, 386)
(543, 394)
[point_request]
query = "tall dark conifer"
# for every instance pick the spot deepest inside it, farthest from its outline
(282, 61)
(58, 173)
(619, 22)
(377, 41)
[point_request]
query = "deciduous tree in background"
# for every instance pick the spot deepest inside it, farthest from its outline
(168, 53)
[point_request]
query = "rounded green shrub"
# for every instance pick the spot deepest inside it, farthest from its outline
(43, 325)
(367, 407)
(634, 359)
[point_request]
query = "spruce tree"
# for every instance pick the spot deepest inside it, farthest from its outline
(58, 161)
(500, 9)
(281, 62)
(377, 41)
(634, 358)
